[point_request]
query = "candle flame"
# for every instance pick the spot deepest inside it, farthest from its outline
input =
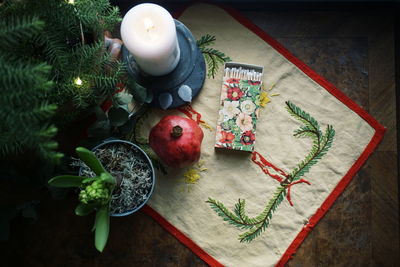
(150, 28)
(148, 24)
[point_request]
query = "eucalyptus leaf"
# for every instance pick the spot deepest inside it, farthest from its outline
(126, 107)
(66, 181)
(102, 224)
(123, 98)
(118, 116)
(90, 160)
(84, 209)
(140, 93)
(100, 114)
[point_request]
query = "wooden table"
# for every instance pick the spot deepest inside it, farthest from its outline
(353, 49)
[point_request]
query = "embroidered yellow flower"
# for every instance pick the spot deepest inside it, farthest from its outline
(191, 176)
(264, 99)
(207, 126)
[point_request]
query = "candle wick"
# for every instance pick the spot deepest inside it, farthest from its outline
(148, 24)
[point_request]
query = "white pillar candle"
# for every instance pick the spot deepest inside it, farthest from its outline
(148, 32)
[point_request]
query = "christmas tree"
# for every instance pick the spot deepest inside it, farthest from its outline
(53, 67)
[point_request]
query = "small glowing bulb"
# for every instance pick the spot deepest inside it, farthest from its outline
(78, 81)
(71, 2)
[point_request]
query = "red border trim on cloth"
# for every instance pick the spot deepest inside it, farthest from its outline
(181, 237)
(327, 204)
(377, 137)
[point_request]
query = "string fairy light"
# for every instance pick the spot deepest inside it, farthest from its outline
(78, 81)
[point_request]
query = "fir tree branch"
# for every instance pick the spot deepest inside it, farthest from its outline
(16, 28)
(41, 54)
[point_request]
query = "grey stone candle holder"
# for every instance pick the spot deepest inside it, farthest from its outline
(181, 85)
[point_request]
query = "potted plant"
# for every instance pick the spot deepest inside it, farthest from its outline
(115, 179)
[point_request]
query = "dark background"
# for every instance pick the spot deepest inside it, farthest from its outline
(355, 46)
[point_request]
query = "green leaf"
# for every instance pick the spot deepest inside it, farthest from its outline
(123, 98)
(139, 93)
(90, 160)
(108, 178)
(100, 114)
(102, 224)
(84, 209)
(89, 179)
(66, 181)
(118, 116)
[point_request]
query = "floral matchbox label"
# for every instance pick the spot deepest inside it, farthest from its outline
(239, 106)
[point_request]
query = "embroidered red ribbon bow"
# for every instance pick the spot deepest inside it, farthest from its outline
(279, 174)
(191, 113)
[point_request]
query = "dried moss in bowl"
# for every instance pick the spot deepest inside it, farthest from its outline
(132, 171)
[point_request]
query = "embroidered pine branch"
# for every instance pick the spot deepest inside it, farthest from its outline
(205, 40)
(321, 143)
(213, 57)
(257, 225)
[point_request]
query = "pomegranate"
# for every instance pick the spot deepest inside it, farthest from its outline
(176, 140)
